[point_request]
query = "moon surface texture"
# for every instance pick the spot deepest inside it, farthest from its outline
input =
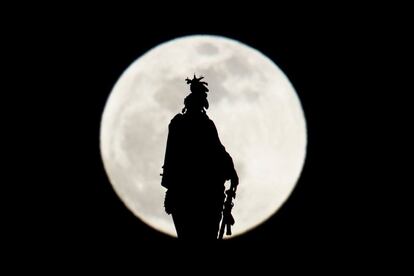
(256, 110)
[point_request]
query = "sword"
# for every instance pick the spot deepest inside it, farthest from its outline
(228, 219)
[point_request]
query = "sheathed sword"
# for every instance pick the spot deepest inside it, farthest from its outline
(227, 220)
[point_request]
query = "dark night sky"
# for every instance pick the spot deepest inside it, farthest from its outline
(78, 64)
(312, 209)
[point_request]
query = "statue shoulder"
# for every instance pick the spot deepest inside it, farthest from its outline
(177, 119)
(210, 122)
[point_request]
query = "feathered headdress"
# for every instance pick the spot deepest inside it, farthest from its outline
(196, 84)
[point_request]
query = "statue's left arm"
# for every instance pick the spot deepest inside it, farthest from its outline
(227, 160)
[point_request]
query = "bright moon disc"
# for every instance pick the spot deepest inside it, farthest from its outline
(256, 110)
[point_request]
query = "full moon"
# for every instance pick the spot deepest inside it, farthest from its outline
(254, 106)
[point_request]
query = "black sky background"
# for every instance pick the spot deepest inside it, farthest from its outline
(73, 64)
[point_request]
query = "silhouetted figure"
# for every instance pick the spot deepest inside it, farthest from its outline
(196, 167)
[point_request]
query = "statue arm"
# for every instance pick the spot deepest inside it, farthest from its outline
(230, 171)
(170, 152)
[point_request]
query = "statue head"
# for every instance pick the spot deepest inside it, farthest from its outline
(197, 100)
(196, 85)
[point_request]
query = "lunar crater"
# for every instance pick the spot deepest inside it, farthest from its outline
(207, 49)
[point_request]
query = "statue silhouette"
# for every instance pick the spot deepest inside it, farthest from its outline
(195, 169)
